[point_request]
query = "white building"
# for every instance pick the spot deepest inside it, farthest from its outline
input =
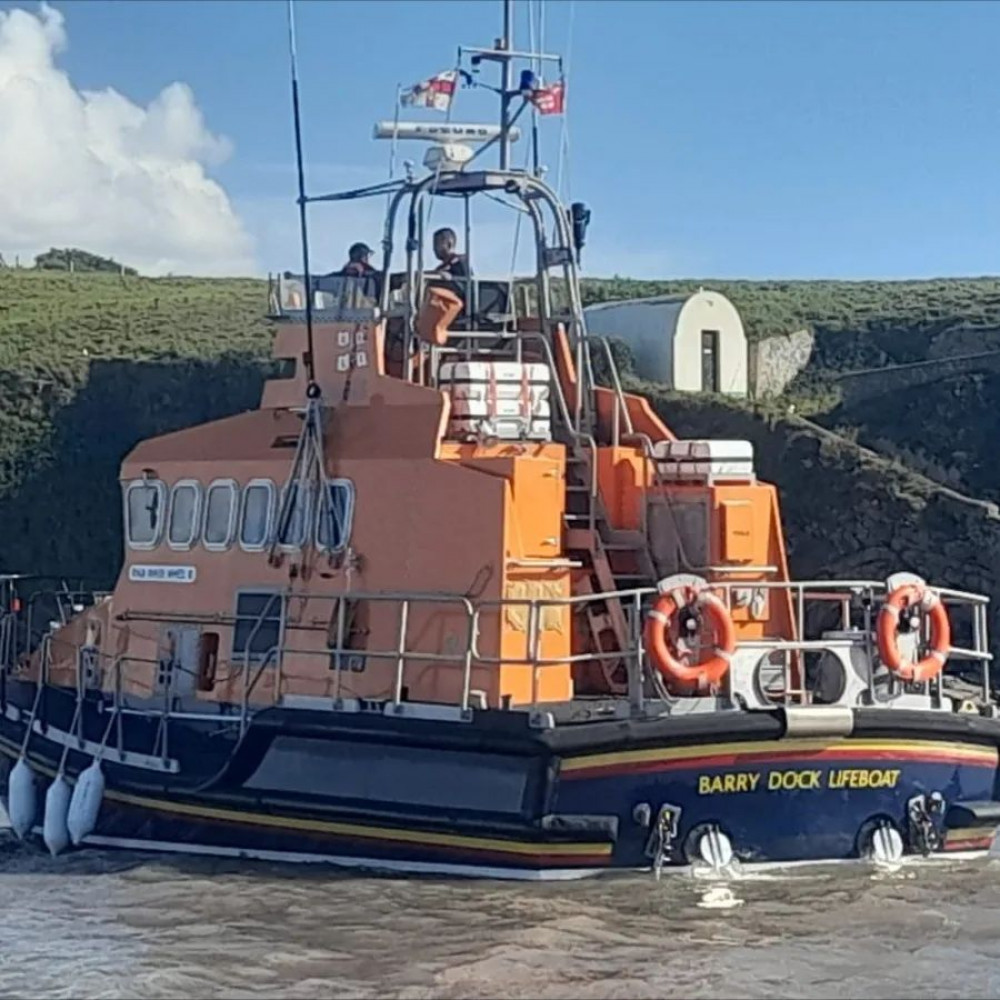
(693, 343)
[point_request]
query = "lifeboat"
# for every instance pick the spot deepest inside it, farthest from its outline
(394, 617)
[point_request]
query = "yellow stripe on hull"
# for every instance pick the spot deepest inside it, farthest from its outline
(364, 832)
(385, 834)
(969, 833)
(927, 748)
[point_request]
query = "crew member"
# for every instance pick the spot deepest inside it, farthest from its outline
(357, 265)
(450, 262)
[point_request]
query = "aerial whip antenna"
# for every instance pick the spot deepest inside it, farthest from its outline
(310, 365)
(308, 470)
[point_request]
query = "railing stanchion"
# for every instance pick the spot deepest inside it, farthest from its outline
(404, 614)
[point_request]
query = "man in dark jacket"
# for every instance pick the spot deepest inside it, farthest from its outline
(450, 262)
(357, 265)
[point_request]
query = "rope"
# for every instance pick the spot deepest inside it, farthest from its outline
(541, 29)
(564, 149)
(527, 156)
(394, 144)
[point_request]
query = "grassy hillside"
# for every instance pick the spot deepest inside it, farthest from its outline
(946, 430)
(89, 365)
(92, 363)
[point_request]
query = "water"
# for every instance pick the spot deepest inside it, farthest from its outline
(95, 924)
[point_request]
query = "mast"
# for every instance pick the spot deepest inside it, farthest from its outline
(309, 464)
(307, 281)
(505, 44)
(503, 52)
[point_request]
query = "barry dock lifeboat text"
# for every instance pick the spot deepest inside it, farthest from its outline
(797, 780)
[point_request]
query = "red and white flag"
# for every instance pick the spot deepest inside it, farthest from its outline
(550, 100)
(435, 93)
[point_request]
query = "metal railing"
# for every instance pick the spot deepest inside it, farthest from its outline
(857, 601)
(151, 687)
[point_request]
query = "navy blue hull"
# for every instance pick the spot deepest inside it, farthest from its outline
(790, 800)
(497, 798)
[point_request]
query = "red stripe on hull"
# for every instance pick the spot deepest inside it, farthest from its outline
(323, 842)
(980, 843)
(738, 760)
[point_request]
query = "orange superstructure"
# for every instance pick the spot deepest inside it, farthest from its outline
(527, 523)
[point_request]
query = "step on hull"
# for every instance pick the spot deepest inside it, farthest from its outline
(596, 808)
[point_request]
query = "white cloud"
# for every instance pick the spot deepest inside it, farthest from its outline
(96, 171)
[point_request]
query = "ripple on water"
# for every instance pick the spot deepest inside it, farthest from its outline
(110, 925)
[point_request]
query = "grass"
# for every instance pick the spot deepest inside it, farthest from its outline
(89, 365)
(92, 363)
(857, 323)
(54, 323)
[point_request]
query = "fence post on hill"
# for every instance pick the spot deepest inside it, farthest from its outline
(752, 363)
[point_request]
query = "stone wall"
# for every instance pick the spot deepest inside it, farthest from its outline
(775, 361)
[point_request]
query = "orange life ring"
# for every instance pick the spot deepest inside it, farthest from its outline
(904, 596)
(682, 676)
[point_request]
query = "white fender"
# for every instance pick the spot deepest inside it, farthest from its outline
(54, 831)
(22, 798)
(86, 802)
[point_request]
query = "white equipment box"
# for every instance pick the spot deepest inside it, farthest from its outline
(705, 460)
(504, 399)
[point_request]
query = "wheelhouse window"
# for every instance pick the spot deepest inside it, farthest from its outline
(145, 501)
(220, 514)
(293, 516)
(185, 503)
(335, 514)
(259, 617)
(256, 514)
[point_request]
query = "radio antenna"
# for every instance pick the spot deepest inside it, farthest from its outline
(309, 362)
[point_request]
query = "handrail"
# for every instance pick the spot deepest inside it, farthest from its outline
(248, 689)
(620, 404)
(470, 654)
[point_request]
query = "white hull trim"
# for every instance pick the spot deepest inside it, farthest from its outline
(742, 871)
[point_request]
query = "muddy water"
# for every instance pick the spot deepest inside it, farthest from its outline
(99, 924)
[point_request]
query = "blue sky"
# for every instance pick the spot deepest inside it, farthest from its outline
(711, 139)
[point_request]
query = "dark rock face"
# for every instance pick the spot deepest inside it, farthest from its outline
(850, 513)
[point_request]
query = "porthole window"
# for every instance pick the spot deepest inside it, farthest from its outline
(256, 514)
(185, 504)
(334, 517)
(220, 514)
(145, 500)
(293, 516)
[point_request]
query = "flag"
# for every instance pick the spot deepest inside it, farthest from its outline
(435, 93)
(550, 100)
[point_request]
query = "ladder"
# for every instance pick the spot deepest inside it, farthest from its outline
(612, 560)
